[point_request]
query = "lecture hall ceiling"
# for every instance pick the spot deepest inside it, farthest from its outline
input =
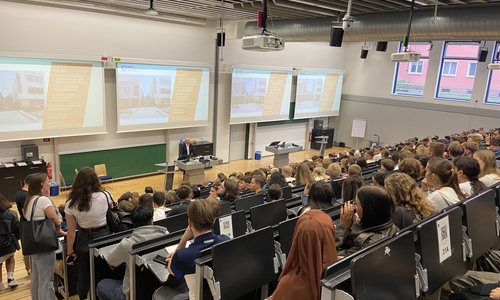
(212, 10)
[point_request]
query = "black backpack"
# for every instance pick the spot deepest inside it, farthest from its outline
(116, 219)
(6, 236)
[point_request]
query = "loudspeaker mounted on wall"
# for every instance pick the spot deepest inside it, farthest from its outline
(381, 46)
(221, 37)
(482, 54)
(336, 36)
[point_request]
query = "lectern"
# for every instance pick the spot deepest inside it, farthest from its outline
(281, 155)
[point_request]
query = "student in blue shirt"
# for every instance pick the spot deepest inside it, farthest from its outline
(201, 218)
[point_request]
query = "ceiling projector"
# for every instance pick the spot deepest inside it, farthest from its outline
(262, 43)
(405, 56)
(495, 66)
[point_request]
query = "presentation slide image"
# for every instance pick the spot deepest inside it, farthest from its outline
(309, 94)
(139, 95)
(248, 94)
(145, 115)
(22, 94)
(13, 120)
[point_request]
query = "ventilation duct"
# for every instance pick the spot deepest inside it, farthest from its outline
(466, 22)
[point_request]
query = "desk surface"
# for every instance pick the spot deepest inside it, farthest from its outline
(283, 150)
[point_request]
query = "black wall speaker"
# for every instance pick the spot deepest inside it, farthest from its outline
(381, 46)
(221, 39)
(336, 36)
(481, 56)
(364, 53)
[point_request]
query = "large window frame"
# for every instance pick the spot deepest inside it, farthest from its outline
(400, 85)
(453, 92)
(495, 95)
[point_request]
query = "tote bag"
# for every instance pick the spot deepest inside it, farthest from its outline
(38, 237)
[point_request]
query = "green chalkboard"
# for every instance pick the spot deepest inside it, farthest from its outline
(119, 162)
(290, 120)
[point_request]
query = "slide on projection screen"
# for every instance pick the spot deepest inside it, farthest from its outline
(260, 95)
(318, 94)
(161, 97)
(42, 98)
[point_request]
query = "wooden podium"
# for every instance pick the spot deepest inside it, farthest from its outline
(281, 155)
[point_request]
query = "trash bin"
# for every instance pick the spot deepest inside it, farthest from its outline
(54, 189)
(258, 155)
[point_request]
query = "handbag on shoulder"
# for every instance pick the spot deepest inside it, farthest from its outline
(38, 237)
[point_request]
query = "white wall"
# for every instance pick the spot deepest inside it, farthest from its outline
(367, 95)
(57, 31)
(298, 55)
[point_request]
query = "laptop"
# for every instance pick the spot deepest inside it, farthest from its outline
(274, 144)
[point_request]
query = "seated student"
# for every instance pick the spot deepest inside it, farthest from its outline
(213, 191)
(361, 161)
(490, 174)
(158, 204)
(257, 184)
(443, 178)
(274, 192)
(410, 166)
(495, 145)
(369, 156)
(411, 205)
(335, 175)
(142, 218)
(313, 248)
(387, 164)
(201, 218)
(185, 194)
(126, 206)
(287, 172)
(468, 175)
(379, 177)
(319, 196)
(146, 199)
(455, 149)
(228, 190)
(277, 178)
(244, 184)
(374, 209)
(470, 148)
(127, 196)
(319, 174)
(303, 174)
(351, 186)
(436, 150)
(149, 190)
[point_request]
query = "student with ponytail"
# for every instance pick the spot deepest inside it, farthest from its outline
(442, 176)
(468, 175)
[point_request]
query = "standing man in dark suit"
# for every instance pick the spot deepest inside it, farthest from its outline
(187, 148)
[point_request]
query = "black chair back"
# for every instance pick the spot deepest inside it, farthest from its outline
(174, 223)
(268, 214)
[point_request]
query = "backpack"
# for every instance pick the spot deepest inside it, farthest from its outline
(5, 231)
(116, 219)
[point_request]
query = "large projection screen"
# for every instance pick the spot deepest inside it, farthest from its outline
(152, 97)
(259, 95)
(42, 98)
(318, 94)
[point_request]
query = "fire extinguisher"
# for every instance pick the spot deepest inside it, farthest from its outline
(49, 170)
(310, 136)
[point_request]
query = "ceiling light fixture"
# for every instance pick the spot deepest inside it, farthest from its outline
(151, 10)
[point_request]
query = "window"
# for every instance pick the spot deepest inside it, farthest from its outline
(471, 71)
(450, 68)
(416, 67)
(458, 69)
(409, 77)
(493, 87)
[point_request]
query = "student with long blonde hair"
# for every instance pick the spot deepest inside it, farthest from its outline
(490, 174)
(303, 175)
(410, 203)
